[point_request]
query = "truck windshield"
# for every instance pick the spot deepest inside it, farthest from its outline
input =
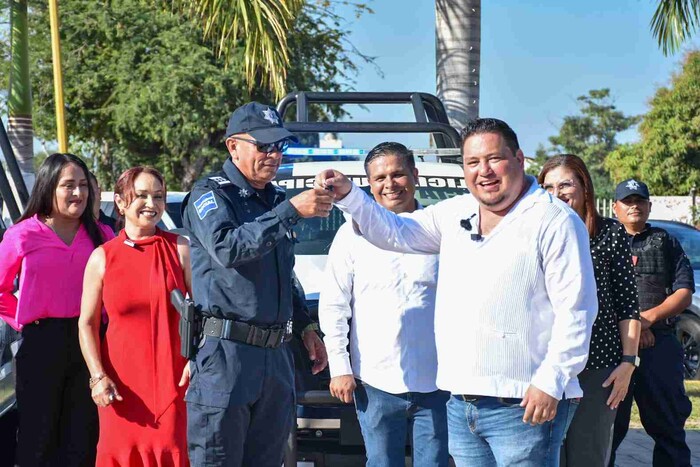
(315, 235)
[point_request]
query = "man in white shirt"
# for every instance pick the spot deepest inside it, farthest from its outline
(515, 303)
(390, 298)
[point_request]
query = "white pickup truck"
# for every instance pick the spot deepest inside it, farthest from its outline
(436, 182)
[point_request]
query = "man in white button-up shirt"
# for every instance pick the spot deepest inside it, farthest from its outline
(515, 303)
(390, 298)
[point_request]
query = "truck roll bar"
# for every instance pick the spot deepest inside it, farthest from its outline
(427, 109)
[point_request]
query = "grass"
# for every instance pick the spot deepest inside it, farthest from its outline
(692, 388)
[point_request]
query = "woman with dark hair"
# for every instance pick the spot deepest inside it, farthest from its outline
(48, 248)
(612, 356)
(142, 409)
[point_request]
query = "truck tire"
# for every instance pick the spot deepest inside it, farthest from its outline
(688, 332)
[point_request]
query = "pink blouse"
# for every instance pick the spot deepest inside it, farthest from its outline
(50, 272)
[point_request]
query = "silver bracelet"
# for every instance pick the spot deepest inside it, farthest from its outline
(96, 379)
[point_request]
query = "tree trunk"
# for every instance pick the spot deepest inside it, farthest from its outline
(457, 52)
(20, 129)
(105, 167)
(191, 170)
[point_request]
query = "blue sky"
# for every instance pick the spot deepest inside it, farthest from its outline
(536, 58)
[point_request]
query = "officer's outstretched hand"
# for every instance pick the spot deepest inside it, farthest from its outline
(342, 387)
(334, 181)
(313, 203)
(317, 351)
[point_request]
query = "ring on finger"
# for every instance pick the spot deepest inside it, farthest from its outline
(111, 397)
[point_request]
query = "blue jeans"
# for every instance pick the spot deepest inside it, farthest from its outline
(386, 418)
(491, 432)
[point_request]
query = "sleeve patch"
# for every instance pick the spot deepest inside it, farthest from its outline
(204, 204)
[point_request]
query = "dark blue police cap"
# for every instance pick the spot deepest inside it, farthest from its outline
(631, 187)
(262, 122)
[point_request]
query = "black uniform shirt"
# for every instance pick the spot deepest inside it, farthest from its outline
(242, 251)
(682, 271)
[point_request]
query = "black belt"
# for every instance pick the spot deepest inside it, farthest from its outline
(475, 398)
(270, 337)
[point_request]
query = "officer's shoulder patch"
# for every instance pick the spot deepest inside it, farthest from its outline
(204, 204)
(221, 181)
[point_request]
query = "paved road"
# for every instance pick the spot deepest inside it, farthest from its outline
(636, 450)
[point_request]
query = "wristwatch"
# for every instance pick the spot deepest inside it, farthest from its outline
(633, 359)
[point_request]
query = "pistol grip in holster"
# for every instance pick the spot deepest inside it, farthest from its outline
(190, 324)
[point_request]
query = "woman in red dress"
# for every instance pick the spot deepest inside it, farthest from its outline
(138, 377)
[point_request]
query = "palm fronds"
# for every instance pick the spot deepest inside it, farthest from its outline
(674, 21)
(262, 27)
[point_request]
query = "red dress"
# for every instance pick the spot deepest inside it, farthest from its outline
(141, 353)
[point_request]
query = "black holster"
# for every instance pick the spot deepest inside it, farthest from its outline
(190, 324)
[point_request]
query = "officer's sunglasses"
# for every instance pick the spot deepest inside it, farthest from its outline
(266, 148)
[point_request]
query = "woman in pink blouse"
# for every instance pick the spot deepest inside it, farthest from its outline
(48, 249)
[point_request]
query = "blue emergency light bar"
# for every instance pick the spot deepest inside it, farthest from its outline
(325, 152)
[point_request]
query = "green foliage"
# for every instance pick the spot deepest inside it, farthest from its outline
(591, 135)
(668, 156)
(674, 21)
(535, 165)
(263, 23)
(142, 86)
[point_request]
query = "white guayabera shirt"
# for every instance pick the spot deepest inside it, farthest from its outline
(390, 298)
(513, 309)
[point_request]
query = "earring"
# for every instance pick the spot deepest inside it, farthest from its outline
(121, 212)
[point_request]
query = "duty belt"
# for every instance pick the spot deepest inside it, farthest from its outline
(270, 337)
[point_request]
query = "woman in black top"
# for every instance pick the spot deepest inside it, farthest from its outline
(606, 378)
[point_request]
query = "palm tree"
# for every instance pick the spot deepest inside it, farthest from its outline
(261, 24)
(674, 21)
(458, 54)
(20, 129)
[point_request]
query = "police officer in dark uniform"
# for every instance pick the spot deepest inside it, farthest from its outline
(665, 284)
(240, 402)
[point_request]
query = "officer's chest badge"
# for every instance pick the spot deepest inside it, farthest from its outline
(243, 193)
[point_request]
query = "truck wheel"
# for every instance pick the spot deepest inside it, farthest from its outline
(688, 332)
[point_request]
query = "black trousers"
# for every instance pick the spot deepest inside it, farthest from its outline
(663, 404)
(240, 405)
(57, 418)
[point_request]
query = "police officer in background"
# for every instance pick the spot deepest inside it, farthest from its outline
(665, 283)
(240, 402)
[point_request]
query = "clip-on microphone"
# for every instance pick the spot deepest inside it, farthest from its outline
(466, 224)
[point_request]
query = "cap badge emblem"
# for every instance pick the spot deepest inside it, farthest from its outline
(633, 185)
(271, 116)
